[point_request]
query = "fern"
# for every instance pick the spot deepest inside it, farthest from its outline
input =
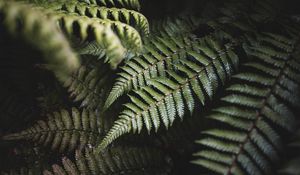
(122, 21)
(253, 106)
(102, 33)
(89, 84)
(130, 17)
(108, 28)
(41, 33)
(175, 69)
(114, 161)
(160, 53)
(65, 130)
(167, 98)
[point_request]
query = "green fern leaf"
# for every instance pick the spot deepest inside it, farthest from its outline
(111, 28)
(251, 109)
(88, 85)
(167, 98)
(102, 33)
(160, 54)
(130, 17)
(40, 32)
(64, 130)
(114, 161)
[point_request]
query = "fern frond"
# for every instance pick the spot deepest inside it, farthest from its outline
(258, 102)
(64, 130)
(95, 49)
(161, 52)
(164, 99)
(118, 160)
(111, 28)
(128, 4)
(89, 84)
(130, 17)
(101, 33)
(279, 41)
(129, 37)
(40, 32)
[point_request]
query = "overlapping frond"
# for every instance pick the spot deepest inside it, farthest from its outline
(117, 160)
(130, 17)
(259, 101)
(114, 30)
(41, 33)
(165, 98)
(160, 53)
(101, 32)
(89, 84)
(65, 130)
(178, 72)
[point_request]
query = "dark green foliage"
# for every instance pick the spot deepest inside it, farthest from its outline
(259, 100)
(115, 161)
(47, 39)
(201, 73)
(160, 53)
(129, 17)
(215, 83)
(65, 130)
(88, 84)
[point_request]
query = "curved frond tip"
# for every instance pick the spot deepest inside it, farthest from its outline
(40, 32)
